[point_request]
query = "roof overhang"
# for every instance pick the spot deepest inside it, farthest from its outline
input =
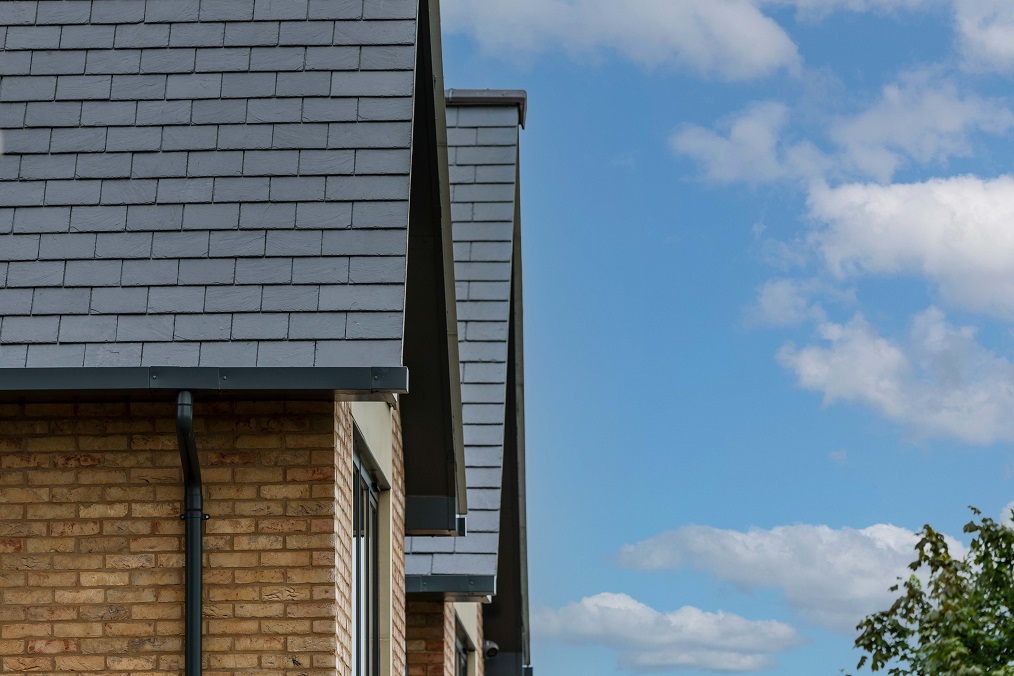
(354, 381)
(431, 414)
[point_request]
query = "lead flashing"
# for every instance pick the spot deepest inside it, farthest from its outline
(457, 586)
(490, 97)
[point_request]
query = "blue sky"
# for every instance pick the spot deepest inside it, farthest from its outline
(769, 293)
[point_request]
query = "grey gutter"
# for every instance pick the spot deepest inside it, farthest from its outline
(490, 97)
(459, 586)
(344, 380)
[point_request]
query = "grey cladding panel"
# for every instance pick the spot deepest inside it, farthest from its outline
(183, 176)
(483, 151)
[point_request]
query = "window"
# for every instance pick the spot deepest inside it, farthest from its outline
(460, 652)
(365, 576)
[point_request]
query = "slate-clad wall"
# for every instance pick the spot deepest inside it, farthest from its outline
(483, 146)
(204, 182)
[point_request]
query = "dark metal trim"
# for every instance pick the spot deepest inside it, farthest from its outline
(456, 585)
(193, 518)
(345, 379)
(430, 515)
(490, 97)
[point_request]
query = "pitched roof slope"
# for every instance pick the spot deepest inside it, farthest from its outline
(204, 183)
(483, 152)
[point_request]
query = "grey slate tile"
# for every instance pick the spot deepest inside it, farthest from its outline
(266, 10)
(176, 60)
(387, 57)
(372, 135)
(329, 110)
(130, 191)
(194, 137)
(31, 37)
(21, 193)
(25, 141)
(358, 352)
(374, 32)
(333, 58)
(150, 165)
(171, 354)
(215, 111)
(194, 86)
(93, 273)
(241, 189)
(364, 242)
(326, 270)
(270, 163)
(58, 62)
(178, 245)
(169, 11)
(306, 33)
(106, 165)
(163, 112)
(227, 10)
(137, 87)
(112, 354)
(210, 216)
(336, 9)
(349, 297)
(42, 220)
(20, 247)
(297, 189)
(277, 58)
(273, 110)
(113, 61)
(366, 188)
(15, 63)
(237, 244)
(29, 329)
(381, 214)
(317, 325)
(197, 35)
(88, 37)
(47, 166)
(298, 135)
(208, 271)
(58, 301)
(372, 83)
(12, 115)
(134, 139)
(67, 246)
(119, 300)
(185, 190)
(248, 85)
(374, 325)
(326, 162)
(301, 243)
(289, 298)
(15, 302)
(324, 216)
(220, 60)
(60, 12)
(73, 192)
(142, 328)
(123, 245)
(175, 299)
(267, 216)
(88, 329)
(383, 161)
(385, 109)
(141, 35)
(20, 12)
(98, 219)
(232, 299)
(232, 353)
(264, 271)
(51, 356)
(215, 163)
(152, 218)
(289, 353)
(13, 356)
(210, 327)
(147, 273)
(245, 137)
(117, 11)
(251, 34)
(260, 326)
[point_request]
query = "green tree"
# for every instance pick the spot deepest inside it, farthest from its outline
(958, 620)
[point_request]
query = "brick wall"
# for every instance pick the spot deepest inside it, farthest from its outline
(91, 561)
(399, 660)
(430, 634)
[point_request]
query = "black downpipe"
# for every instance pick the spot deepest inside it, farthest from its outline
(193, 516)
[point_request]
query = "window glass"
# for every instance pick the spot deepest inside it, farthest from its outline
(365, 590)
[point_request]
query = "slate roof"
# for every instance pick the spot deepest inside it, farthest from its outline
(204, 182)
(482, 153)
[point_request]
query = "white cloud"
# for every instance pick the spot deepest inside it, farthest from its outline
(833, 577)
(986, 34)
(729, 38)
(649, 640)
(786, 302)
(750, 148)
(955, 232)
(821, 8)
(941, 383)
(921, 118)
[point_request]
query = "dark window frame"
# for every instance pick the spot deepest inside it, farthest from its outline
(365, 572)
